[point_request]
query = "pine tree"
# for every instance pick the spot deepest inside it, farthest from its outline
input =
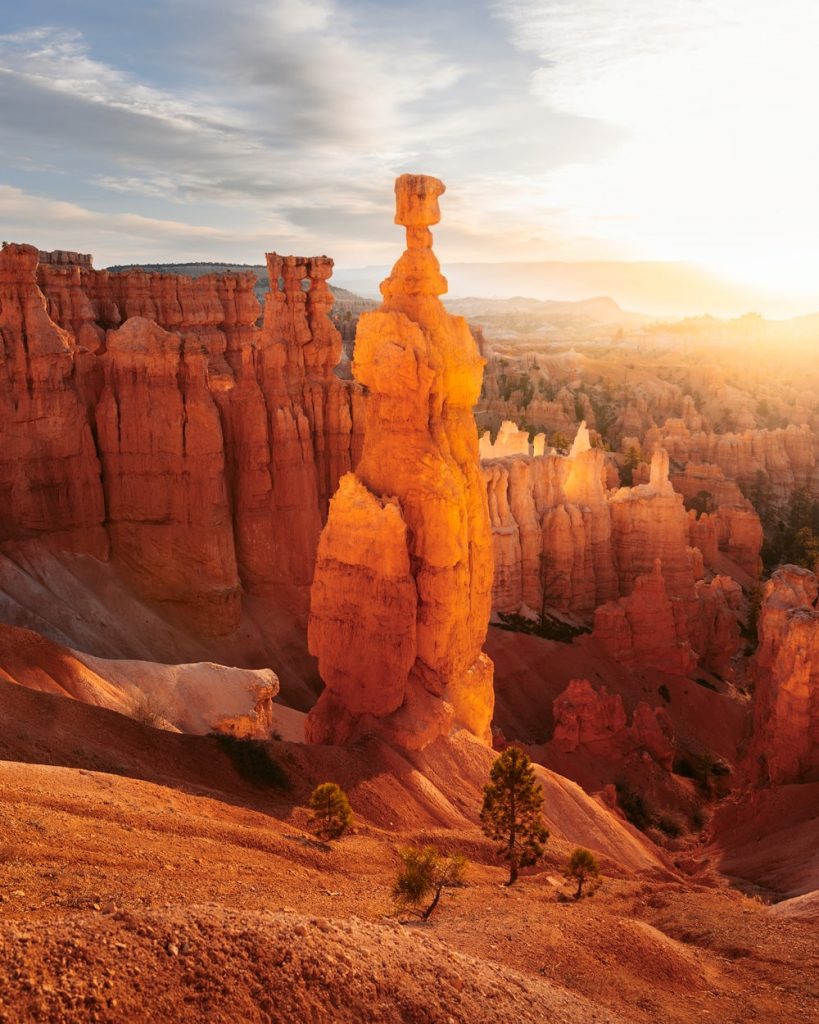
(332, 814)
(581, 866)
(511, 811)
(426, 872)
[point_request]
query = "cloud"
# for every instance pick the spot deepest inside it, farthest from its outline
(299, 112)
(299, 102)
(55, 224)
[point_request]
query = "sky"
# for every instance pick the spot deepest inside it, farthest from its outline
(564, 129)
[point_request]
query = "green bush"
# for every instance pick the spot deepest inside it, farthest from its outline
(633, 807)
(670, 824)
(581, 867)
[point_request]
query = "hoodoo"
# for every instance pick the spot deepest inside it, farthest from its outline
(401, 596)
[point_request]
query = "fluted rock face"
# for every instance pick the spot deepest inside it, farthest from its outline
(556, 527)
(647, 628)
(631, 558)
(404, 571)
(162, 453)
(785, 745)
(49, 471)
(150, 411)
(716, 634)
(651, 628)
(595, 722)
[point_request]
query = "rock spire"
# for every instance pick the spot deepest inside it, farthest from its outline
(401, 596)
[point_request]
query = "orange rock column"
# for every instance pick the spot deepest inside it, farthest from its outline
(401, 596)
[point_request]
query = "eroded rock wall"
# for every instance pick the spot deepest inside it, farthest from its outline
(151, 413)
(785, 746)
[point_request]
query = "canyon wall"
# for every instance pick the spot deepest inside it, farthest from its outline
(631, 558)
(785, 746)
(557, 527)
(788, 456)
(400, 600)
(148, 417)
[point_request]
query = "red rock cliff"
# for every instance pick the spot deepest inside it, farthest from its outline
(150, 411)
(785, 745)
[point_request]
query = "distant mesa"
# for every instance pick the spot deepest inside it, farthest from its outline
(66, 258)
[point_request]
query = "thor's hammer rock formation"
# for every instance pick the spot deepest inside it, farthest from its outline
(401, 596)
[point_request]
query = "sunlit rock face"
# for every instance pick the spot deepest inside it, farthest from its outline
(401, 597)
(162, 453)
(558, 527)
(632, 558)
(787, 456)
(148, 416)
(785, 745)
(510, 441)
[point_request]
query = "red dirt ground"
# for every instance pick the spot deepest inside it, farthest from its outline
(162, 886)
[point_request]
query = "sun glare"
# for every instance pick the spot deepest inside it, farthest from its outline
(718, 157)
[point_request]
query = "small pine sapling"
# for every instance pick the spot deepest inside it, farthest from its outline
(425, 873)
(331, 812)
(581, 867)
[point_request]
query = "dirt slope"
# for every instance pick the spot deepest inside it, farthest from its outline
(93, 860)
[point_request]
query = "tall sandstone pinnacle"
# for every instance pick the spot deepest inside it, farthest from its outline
(401, 596)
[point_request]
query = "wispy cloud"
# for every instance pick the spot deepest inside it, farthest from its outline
(564, 128)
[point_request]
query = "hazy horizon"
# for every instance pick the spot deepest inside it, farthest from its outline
(588, 131)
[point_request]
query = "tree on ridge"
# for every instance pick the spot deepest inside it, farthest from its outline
(511, 812)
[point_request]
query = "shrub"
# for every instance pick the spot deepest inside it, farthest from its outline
(702, 769)
(426, 873)
(670, 824)
(581, 867)
(147, 710)
(253, 762)
(511, 811)
(633, 806)
(332, 814)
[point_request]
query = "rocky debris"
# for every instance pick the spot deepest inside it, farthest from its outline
(262, 966)
(400, 601)
(785, 745)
